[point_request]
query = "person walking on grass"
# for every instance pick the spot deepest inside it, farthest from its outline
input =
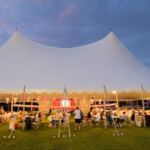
(77, 118)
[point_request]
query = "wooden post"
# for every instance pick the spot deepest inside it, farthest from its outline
(76, 102)
(32, 103)
(143, 104)
(117, 102)
(12, 103)
(105, 107)
(49, 108)
(23, 107)
(137, 104)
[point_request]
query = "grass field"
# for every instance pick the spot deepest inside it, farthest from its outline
(88, 138)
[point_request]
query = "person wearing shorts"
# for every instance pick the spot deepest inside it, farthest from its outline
(77, 118)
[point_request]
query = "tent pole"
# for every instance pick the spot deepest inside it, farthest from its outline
(105, 106)
(143, 108)
(23, 107)
(52, 104)
(137, 104)
(32, 103)
(64, 98)
(117, 103)
(49, 108)
(12, 103)
(76, 102)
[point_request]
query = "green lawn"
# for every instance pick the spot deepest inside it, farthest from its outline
(88, 138)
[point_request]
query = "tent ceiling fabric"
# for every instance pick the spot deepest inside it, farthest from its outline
(72, 91)
(123, 96)
(105, 62)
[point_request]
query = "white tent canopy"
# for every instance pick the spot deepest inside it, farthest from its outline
(105, 62)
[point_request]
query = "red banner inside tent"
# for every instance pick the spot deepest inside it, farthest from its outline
(56, 102)
(73, 103)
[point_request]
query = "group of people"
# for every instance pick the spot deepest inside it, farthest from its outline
(55, 117)
(4, 116)
(30, 119)
(97, 116)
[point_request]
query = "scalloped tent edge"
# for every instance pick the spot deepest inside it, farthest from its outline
(83, 68)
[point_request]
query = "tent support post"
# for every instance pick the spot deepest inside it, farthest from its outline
(49, 108)
(32, 103)
(23, 108)
(12, 103)
(143, 104)
(105, 106)
(117, 103)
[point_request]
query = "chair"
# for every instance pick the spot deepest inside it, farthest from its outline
(65, 123)
(57, 121)
(20, 124)
(101, 122)
(36, 123)
(109, 123)
(95, 123)
(85, 121)
(124, 122)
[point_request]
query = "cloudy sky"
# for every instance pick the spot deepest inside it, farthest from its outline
(69, 23)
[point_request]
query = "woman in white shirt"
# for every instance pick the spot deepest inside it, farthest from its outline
(77, 118)
(51, 120)
(96, 119)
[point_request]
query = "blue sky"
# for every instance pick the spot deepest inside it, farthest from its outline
(69, 23)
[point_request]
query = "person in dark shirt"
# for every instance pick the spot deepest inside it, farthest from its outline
(133, 116)
(89, 115)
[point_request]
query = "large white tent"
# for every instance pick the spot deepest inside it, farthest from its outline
(84, 68)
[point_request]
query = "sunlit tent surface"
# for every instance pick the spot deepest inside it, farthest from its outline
(105, 62)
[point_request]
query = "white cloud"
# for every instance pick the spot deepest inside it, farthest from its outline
(67, 12)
